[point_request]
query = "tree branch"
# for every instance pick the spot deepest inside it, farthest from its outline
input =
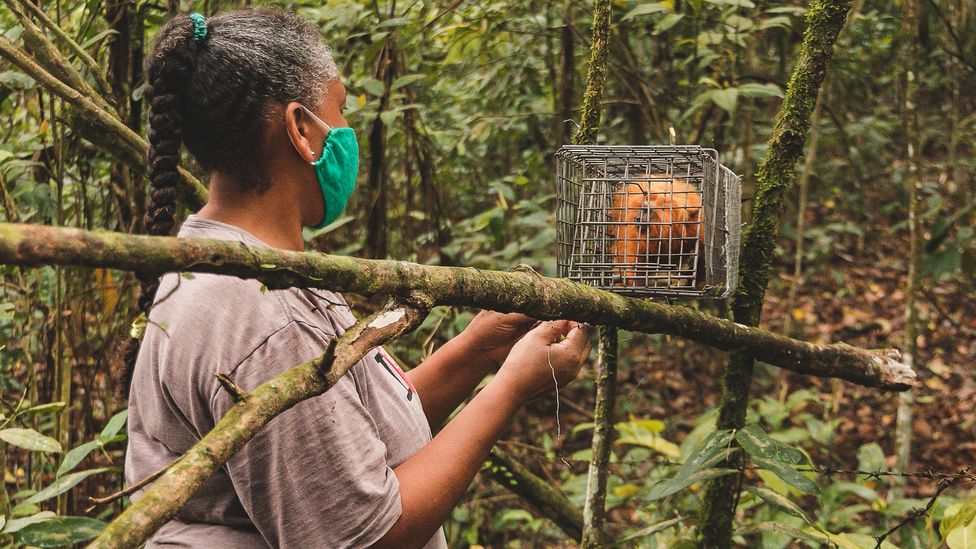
(103, 125)
(546, 500)
(165, 497)
(544, 298)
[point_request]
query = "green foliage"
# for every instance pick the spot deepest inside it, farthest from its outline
(476, 101)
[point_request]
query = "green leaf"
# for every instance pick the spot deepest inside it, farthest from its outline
(645, 9)
(870, 457)
(394, 22)
(16, 80)
(788, 474)
(372, 86)
(667, 22)
(784, 529)
(113, 426)
(44, 408)
(757, 443)
(75, 456)
(735, 3)
(791, 10)
(754, 89)
(60, 531)
(963, 537)
(646, 433)
(389, 117)
(406, 80)
(780, 21)
(726, 99)
(65, 483)
(25, 509)
(585, 426)
(29, 439)
(715, 448)
(652, 529)
(677, 483)
(16, 525)
(958, 516)
(781, 503)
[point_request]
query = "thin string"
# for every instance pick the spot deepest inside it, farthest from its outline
(559, 430)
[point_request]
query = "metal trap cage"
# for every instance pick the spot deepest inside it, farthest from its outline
(650, 220)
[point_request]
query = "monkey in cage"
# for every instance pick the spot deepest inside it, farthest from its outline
(658, 232)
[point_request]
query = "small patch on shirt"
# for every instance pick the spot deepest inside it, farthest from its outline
(394, 370)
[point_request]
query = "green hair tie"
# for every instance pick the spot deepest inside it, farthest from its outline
(199, 27)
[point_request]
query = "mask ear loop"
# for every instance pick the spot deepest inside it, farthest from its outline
(315, 118)
(321, 122)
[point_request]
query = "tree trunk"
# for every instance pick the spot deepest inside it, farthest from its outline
(377, 239)
(913, 181)
(594, 510)
(775, 176)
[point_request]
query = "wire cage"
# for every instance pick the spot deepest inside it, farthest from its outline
(649, 220)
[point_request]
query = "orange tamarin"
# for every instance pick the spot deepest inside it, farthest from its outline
(654, 221)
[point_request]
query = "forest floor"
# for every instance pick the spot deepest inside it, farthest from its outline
(858, 299)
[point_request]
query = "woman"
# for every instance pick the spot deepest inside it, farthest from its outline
(256, 98)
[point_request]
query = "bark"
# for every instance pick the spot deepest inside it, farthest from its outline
(377, 180)
(594, 508)
(164, 498)
(590, 113)
(913, 153)
(90, 64)
(118, 14)
(596, 73)
(775, 176)
(524, 291)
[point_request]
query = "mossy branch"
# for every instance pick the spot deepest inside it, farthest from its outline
(542, 297)
(596, 73)
(102, 125)
(538, 494)
(594, 509)
(776, 175)
(166, 496)
(103, 86)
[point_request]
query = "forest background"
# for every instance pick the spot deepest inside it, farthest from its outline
(459, 107)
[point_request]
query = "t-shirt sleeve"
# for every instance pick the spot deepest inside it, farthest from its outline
(316, 475)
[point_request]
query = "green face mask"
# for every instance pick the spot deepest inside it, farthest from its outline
(336, 169)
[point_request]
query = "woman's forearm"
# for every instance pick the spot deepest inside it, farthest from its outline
(434, 479)
(447, 377)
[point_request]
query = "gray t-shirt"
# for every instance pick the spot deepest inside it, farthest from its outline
(320, 474)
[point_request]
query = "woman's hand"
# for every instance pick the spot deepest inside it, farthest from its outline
(556, 348)
(491, 335)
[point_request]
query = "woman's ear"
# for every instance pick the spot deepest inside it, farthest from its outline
(297, 127)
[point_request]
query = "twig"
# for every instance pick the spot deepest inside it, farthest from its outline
(918, 513)
(127, 491)
(228, 384)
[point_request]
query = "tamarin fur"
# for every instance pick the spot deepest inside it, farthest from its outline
(653, 221)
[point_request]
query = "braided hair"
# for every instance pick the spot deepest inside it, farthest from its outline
(214, 94)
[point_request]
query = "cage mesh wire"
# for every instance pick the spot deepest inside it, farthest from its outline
(648, 220)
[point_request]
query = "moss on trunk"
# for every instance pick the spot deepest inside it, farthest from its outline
(775, 176)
